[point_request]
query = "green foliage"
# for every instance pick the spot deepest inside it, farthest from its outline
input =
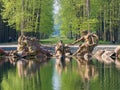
(104, 42)
(46, 23)
(74, 17)
(102, 15)
(29, 15)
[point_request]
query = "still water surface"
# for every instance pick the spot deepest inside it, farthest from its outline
(54, 74)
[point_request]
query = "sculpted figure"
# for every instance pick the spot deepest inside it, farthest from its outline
(90, 41)
(22, 49)
(108, 56)
(62, 49)
(67, 50)
(28, 46)
(59, 49)
(117, 52)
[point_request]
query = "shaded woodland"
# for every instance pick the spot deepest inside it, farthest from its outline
(99, 16)
(29, 17)
(36, 18)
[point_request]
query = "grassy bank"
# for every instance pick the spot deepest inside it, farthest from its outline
(54, 40)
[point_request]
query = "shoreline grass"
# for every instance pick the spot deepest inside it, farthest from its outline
(54, 40)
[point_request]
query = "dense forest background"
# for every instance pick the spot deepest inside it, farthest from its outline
(37, 18)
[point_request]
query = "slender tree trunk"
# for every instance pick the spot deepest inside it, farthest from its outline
(100, 27)
(37, 27)
(88, 11)
(22, 22)
(104, 23)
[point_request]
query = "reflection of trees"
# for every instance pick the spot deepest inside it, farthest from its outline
(81, 76)
(15, 83)
(108, 77)
(4, 67)
(33, 78)
(108, 74)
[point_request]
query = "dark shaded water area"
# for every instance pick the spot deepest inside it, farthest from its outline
(58, 74)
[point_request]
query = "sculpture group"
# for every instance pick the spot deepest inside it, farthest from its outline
(30, 47)
(89, 42)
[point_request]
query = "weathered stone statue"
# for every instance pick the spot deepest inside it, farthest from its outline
(61, 49)
(108, 56)
(117, 52)
(28, 46)
(67, 50)
(90, 41)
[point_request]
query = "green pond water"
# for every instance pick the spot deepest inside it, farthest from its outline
(55, 74)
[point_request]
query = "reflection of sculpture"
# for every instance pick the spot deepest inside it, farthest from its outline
(27, 67)
(86, 69)
(3, 60)
(90, 41)
(61, 63)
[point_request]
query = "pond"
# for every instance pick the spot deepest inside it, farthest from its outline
(57, 74)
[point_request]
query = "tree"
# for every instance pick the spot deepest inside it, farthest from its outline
(29, 15)
(75, 15)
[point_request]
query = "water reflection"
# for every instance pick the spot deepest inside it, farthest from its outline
(27, 67)
(75, 71)
(61, 63)
(3, 60)
(86, 69)
(59, 74)
(87, 72)
(24, 74)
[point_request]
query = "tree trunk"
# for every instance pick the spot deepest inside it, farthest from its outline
(22, 22)
(88, 11)
(104, 29)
